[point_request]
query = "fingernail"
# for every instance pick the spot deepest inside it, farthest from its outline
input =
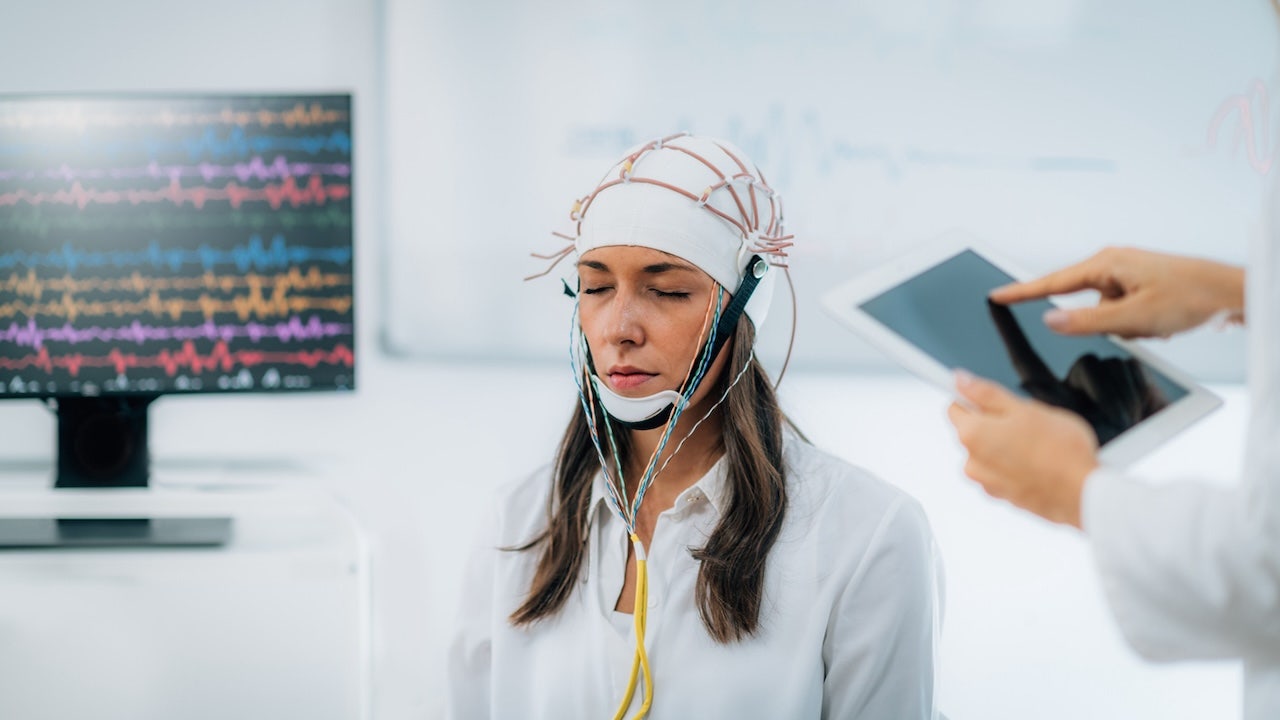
(1056, 319)
(963, 377)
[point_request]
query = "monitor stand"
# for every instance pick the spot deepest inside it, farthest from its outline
(102, 444)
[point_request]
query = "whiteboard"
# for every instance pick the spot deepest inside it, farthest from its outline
(1047, 130)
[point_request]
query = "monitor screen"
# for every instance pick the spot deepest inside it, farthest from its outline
(182, 243)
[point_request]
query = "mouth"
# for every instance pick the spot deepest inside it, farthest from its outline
(628, 378)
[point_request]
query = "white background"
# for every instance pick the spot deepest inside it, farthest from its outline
(1045, 129)
(1048, 129)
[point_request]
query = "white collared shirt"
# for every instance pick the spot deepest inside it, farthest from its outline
(1192, 571)
(849, 622)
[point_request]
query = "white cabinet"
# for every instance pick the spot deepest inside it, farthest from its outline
(274, 625)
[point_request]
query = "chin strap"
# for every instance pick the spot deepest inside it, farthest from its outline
(756, 268)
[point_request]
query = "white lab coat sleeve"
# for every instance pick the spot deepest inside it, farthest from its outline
(882, 636)
(470, 650)
(1189, 570)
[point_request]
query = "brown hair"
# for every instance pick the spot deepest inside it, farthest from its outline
(730, 583)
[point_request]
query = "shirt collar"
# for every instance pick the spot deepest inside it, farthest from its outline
(713, 487)
(599, 495)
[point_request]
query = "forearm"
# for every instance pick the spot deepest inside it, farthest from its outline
(1188, 569)
(1223, 290)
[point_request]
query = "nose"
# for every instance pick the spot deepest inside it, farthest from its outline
(624, 321)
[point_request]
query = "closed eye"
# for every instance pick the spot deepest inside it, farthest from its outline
(671, 294)
(595, 290)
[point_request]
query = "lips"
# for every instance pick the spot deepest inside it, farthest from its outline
(625, 377)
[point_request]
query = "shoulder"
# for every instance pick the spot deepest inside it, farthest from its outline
(818, 479)
(519, 507)
(848, 510)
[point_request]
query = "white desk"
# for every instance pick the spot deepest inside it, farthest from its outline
(274, 625)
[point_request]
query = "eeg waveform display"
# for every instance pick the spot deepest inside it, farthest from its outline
(156, 244)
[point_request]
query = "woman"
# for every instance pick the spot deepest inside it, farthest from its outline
(689, 555)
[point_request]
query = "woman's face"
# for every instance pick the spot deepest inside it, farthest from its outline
(644, 314)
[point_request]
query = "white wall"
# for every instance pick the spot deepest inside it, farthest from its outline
(417, 447)
(236, 45)
(1045, 129)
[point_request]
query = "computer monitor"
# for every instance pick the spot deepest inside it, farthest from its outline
(170, 244)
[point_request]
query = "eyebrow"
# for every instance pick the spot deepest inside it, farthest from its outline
(654, 269)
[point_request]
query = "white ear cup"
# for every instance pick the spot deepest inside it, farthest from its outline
(758, 305)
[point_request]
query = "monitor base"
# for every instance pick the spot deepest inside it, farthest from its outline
(72, 533)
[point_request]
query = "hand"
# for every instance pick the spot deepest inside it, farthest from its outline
(1033, 455)
(1144, 294)
(1111, 394)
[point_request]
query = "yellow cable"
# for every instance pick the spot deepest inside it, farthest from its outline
(631, 689)
(642, 606)
(641, 660)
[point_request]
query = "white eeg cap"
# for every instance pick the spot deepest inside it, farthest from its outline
(699, 199)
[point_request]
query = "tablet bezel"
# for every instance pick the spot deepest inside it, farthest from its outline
(843, 301)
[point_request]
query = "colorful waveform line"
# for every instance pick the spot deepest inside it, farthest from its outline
(236, 143)
(220, 358)
(294, 329)
(316, 192)
(255, 169)
(33, 220)
(252, 304)
(74, 116)
(32, 285)
(251, 255)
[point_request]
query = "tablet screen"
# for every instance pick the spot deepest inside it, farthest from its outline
(945, 312)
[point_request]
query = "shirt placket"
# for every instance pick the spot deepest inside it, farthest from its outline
(607, 574)
(670, 538)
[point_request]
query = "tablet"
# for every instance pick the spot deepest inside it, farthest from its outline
(930, 312)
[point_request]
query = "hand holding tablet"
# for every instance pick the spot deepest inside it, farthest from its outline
(932, 312)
